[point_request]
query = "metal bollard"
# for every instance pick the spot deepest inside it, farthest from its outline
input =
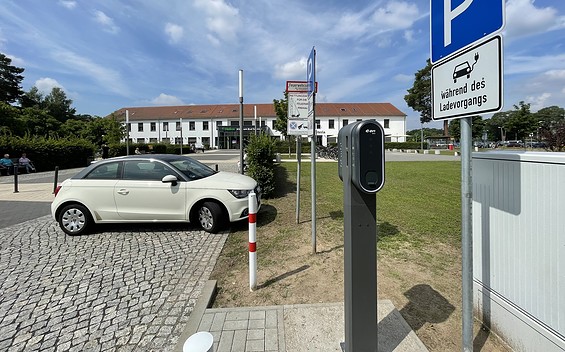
(16, 179)
(56, 178)
(252, 241)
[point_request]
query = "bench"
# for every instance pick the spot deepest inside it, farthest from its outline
(16, 162)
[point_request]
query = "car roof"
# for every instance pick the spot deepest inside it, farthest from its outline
(162, 157)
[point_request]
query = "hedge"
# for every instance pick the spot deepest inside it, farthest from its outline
(47, 153)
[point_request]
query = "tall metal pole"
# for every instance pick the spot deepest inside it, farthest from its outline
(181, 141)
(127, 132)
(241, 121)
(467, 234)
(313, 154)
(255, 112)
(422, 136)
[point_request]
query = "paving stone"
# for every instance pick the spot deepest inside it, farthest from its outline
(132, 283)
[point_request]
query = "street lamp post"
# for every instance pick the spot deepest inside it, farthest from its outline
(241, 121)
(502, 133)
(181, 140)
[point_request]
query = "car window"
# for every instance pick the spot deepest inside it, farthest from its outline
(107, 171)
(193, 169)
(146, 170)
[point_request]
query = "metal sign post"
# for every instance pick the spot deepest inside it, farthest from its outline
(311, 78)
(361, 167)
(467, 79)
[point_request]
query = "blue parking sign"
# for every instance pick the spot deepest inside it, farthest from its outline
(455, 24)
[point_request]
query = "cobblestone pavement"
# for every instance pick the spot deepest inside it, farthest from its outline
(121, 288)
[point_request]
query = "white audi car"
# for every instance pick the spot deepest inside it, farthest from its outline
(152, 188)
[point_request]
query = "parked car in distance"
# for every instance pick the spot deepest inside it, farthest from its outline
(514, 144)
(152, 188)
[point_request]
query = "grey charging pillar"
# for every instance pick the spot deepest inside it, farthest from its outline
(361, 168)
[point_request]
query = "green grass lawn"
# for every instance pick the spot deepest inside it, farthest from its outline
(418, 198)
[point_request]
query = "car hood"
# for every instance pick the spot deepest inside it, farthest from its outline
(227, 180)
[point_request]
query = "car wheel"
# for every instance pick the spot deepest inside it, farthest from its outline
(210, 217)
(75, 219)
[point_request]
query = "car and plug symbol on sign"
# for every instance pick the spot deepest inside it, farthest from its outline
(464, 69)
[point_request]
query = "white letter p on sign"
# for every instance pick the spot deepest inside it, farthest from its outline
(449, 16)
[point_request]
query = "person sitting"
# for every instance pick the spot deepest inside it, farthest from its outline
(6, 165)
(25, 162)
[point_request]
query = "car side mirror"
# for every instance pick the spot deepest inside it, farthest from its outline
(170, 179)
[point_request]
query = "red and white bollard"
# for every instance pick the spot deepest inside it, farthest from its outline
(252, 241)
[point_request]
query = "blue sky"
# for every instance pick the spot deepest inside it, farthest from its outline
(112, 54)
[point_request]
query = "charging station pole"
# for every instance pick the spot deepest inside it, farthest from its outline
(361, 168)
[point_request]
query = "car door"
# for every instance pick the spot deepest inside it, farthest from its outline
(141, 195)
(96, 190)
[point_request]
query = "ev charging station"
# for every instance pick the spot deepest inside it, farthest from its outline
(361, 168)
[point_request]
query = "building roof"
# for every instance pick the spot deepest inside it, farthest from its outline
(263, 110)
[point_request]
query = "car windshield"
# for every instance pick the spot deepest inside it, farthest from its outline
(193, 169)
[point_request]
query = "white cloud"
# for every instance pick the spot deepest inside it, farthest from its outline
(396, 15)
(108, 78)
(107, 22)
(70, 4)
(403, 78)
(291, 70)
(222, 19)
(524, 18)
(165, 99)
(174, 32)
(45, 85)
(539, 101)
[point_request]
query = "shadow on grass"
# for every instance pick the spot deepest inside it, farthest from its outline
(425, 305)
(282, 185)
(265, 216)
(283, 276)
(386, 229)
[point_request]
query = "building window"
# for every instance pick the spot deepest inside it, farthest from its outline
(129, 127)
(359, 120)
(165, 126)
(206, 141)
(191, 125)
(153, 127)
(387, 123)
(140, 127)
(204, 125)
(178, 126)
(218, 124)
(318, 125)
(152, 140)
(345, 122)
(331, 124)
(234, 123)
(247, 123)
(273, 125)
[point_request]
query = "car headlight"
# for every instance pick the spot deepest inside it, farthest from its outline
(240, 193)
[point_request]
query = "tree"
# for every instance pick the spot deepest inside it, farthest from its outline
(414, 135)
(10, 80)
(477, 129)
(58, 105)
(419, 97)
(281, 108)
(520, 121)
(32, 99)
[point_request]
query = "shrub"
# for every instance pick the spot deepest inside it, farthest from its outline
(260, 161)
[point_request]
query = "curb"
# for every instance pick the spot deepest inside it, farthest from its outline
(206, 298)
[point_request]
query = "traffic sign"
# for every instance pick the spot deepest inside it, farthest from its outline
(297, 114)
(298, 86)
(311, 79)
(456, 24)
(468, 83)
